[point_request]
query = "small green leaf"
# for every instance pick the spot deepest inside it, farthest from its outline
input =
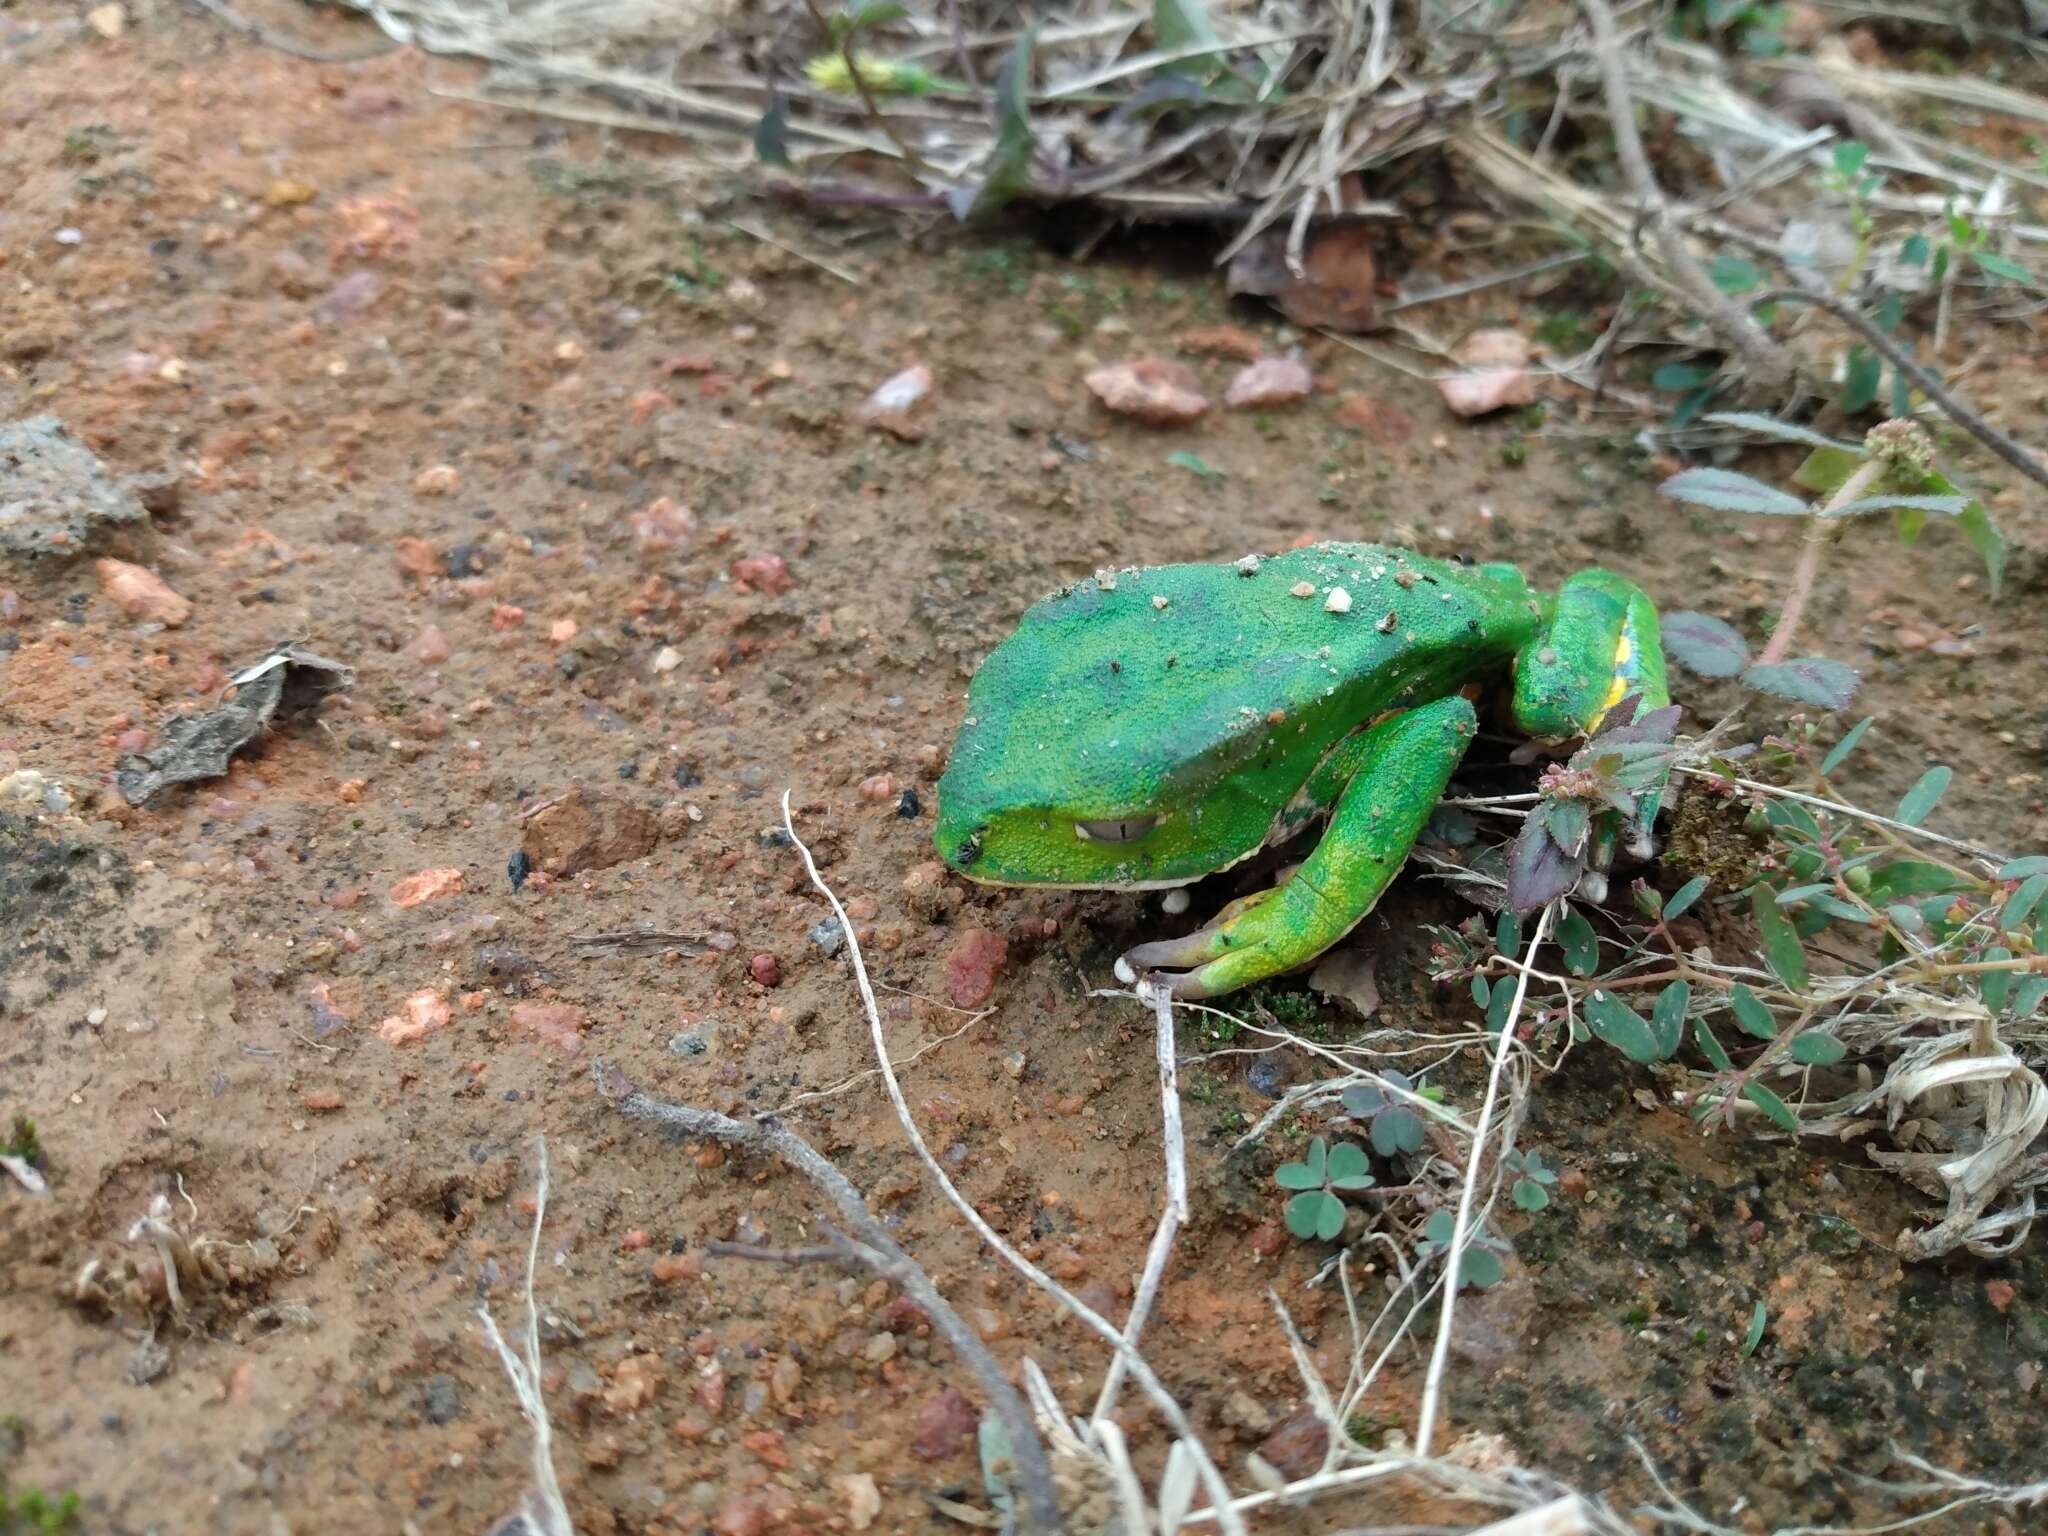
(1732, 274)
(1396, 1131)
(1793, 895)
(1913, 877)
(1441, 1227)
(1779, 1111)
(1005, 171)
(1816, 1050)
(1781, 945)
(1305, 1214)
(1567, 822)
(1995, 986)
(2020, 905)
(1480, 1267)
(1724, 490)
(2020, 869)
(1297, 1176)
(1783, 431)
(1839, 753)
(1923, 796)
(1667, 1018)
(1951, 506)
(1704, 644)
(1827, 469)
(1755, 1335)
(1989, 543)
(1812, 680)
(1751, 1013)
(1182, 24)
(1676, 377)
(1865, 374)
(1620, 1026)
(1194, 463)
(2027, 996)
(2000, 267)
(1687, 894)
(1507, 934)
(1481, 987)
(1850, 155)
(1581, 945)
(1710, 1047)
(1914, 251)
(771, 135)
(1347, 1163)
(1529, 1195)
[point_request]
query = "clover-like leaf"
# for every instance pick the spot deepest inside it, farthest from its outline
(1480, 1267)
(1441, 1227)
(1529, 1195)
(1348, 1167)
(1364, 1100)
(1395, 1131)
(1307, 1174)
(1726, 491)
(1305, 1214)
(1704, 644)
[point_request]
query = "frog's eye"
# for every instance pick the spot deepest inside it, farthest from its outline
(1125, 829)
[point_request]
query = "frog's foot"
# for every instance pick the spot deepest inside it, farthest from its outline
(1194, 964)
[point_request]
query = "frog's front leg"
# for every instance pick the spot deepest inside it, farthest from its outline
(1406, 762)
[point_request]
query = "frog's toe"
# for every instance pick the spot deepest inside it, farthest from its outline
(1169, 954)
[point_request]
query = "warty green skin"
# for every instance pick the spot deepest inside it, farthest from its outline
(1187, 716)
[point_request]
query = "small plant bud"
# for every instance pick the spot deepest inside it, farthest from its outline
(1903, 445)
(1858, 879)
(1648, 901)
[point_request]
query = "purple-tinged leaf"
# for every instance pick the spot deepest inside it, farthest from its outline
(1703, 644)
(1807, 680)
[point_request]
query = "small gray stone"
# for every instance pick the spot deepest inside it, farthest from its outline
(54, 491)
(830, 935)
(1268, 1077)
(444, 1400)
(688, 1042)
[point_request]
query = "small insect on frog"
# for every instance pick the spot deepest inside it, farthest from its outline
(1147, 727)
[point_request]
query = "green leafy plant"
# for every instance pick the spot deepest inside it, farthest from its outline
(1531, 1189)
(1893, 471)
(1394, 1128)
(1483, 1262)
(24, 1143)
(1316, 1212)
(31, 1512)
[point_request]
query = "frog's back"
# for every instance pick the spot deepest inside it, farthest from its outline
(1196, 671)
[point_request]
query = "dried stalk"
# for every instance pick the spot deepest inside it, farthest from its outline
(1770, 366)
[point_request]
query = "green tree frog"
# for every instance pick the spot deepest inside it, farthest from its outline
(1147, 727)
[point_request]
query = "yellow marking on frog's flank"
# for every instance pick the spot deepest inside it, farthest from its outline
(1624, 654)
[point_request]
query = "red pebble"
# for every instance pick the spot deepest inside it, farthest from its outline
(766, 969)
